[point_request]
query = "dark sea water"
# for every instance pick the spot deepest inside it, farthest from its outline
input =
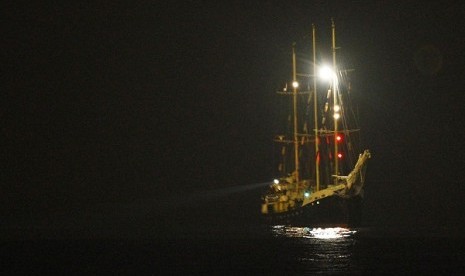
(216, 238)
(271, 250)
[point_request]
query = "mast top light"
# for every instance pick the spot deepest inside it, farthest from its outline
(326, 73)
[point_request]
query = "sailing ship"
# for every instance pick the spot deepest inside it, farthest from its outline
(321, 165)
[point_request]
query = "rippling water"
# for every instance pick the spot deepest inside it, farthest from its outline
(370, 251)
(266, 250)
(320, 250)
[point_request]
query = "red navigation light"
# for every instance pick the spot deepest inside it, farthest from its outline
(339, 155)
(339, 138)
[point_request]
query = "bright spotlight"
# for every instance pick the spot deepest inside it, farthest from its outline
(326, 73)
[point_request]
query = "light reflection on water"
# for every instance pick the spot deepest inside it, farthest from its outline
(316, 233)
(320, 249)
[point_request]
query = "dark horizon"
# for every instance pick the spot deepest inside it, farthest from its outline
(114, 107)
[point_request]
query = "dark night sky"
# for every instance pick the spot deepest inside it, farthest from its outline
(115, 104)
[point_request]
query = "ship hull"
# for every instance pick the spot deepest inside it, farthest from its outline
(332, 211)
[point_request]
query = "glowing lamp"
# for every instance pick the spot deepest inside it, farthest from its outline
(326, 73)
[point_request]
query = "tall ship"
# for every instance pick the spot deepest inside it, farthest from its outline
(321, 164)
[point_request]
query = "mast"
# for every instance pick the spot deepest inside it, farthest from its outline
(315, 115)
(335, 107)
(295, 84)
